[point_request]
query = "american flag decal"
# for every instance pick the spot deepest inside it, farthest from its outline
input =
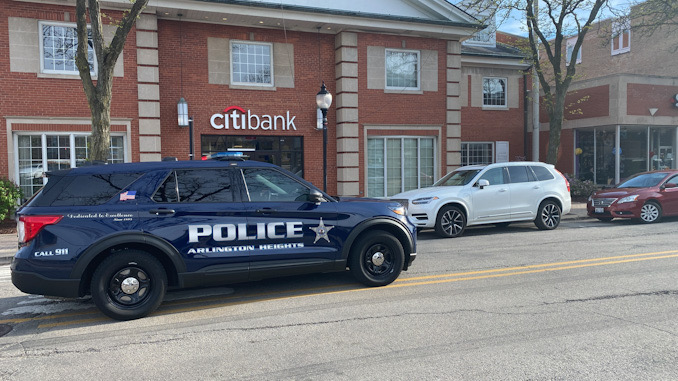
(129, 195)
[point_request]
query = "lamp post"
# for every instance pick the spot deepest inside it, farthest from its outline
(184, 121)
(324, 100)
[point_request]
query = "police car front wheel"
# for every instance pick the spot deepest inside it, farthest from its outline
(377, 259)
(128, 285)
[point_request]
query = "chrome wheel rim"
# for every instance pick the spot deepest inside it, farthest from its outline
(550, 215)
(649, 212)
(452, 222)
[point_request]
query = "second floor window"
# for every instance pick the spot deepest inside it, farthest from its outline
(58, 49)
(251, 64)
(621, 37)
(494, 92)
(402, 69)
(570, 48)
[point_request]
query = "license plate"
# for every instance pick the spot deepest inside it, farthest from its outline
(600, 210)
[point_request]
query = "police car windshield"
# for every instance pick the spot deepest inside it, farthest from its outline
(457, 178)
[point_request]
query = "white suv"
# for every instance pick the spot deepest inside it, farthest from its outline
(498, 193)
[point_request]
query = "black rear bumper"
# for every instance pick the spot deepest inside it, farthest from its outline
(32, 283)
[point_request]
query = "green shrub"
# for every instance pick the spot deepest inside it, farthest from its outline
(581, 189)
(10, 194)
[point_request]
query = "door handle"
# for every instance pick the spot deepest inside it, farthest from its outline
(163, 211)
(266, 210)
(503, 190)
(536, 187)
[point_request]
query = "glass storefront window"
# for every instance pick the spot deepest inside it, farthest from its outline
(641, 148)
(633, 151)
(662, 148)
(55, 152)
(398, 164)
(284, 151)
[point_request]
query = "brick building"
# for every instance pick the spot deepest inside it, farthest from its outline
(411, 102)
(622, 114)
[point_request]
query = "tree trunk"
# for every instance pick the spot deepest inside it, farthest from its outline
(556, 112)
(100, 143)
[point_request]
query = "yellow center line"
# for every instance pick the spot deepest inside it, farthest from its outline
(531, 266)
(403, 282)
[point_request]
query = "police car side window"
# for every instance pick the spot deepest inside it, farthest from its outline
(89, 190)
(265, 184)
(196, 185)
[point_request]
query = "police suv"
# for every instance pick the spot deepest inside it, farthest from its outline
(125, 233)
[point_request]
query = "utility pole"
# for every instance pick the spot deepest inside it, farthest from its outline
(535, 92)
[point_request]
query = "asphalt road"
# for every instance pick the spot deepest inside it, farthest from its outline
(588, 301)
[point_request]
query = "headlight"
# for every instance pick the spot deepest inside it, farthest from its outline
(400, 210)
(423, 200)
(628, 199)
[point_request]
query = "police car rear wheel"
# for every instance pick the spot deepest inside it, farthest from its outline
(129, 285)
(377, 259)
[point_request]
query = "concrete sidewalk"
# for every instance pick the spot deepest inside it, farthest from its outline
(8, 242)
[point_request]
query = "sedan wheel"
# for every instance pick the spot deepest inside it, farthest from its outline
(451, 222)
(650, 212)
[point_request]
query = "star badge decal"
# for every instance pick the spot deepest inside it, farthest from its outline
(321, 231)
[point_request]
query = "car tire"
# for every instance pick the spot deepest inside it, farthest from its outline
(377, 259)
(548, 215)
(128, 285)
(451, 222)
(604, 219)
(650, 212)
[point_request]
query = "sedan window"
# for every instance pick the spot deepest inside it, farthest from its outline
(643, 181)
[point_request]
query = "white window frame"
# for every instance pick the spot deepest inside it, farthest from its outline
(418, 53)
(484, 37)
(230, 53)
(465, 148)
(41, 39)
(71, 137)
(506, 93)
(402, 159)
(619, 30)
(568, 53)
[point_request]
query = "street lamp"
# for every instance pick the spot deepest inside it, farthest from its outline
(324, 100)
(184, 121)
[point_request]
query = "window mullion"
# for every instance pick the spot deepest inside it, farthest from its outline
(43, 142)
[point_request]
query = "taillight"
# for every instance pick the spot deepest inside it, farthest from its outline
(566, 182)
(29, 226)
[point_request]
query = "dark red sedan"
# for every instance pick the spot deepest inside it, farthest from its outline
(646, 196)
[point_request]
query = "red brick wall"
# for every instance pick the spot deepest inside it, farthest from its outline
(311, 53)
(377, 107)
(640, 98)
(478, 125)
(583, 104)
(26, 95)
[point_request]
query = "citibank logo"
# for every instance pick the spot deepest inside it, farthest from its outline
(237, 118)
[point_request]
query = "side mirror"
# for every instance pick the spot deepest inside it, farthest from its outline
(482, 183)
(316, 197)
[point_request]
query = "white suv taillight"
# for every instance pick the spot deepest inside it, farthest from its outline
(566, 182)
(30, 226)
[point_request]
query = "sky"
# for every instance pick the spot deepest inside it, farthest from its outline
(515, 24)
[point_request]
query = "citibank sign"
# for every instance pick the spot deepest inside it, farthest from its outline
(237, 118)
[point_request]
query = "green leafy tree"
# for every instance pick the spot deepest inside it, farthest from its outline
(10, 194)
(99, 95)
